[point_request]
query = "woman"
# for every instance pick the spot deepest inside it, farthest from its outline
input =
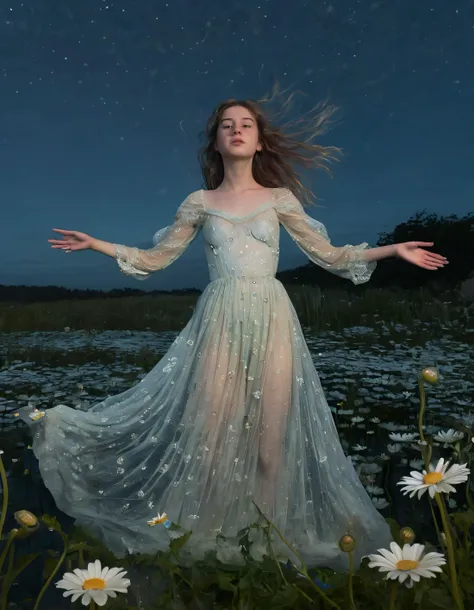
(234, 413)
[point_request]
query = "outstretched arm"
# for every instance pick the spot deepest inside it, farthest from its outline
(170, 243)
(410, 251)
(311, 237)
(356, 263)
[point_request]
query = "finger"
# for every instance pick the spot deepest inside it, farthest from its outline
(436, 257)
(64, 232)
(57, 241)
(423, 243)
(61, 247)
(433, 256)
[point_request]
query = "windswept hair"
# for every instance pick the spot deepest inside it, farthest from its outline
(284, 145)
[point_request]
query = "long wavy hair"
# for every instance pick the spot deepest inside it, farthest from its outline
(284, 145)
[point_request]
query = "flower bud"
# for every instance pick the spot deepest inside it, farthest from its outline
(407, 535)
(347, 543)
(29, 523)
(430, 375)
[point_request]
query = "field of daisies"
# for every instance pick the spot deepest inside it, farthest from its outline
(400, 384)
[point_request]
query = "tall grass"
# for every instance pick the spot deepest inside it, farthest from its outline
(317, 309)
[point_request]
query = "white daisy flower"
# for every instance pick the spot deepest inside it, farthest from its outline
(375, 420)
(160, 518)
(359, 448)
(407, 564)
(438, 480)
(417, 464)
(94, 584)
(406, 437)
(451, 436)
(357, 419)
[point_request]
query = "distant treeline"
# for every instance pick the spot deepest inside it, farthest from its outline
(453, 237)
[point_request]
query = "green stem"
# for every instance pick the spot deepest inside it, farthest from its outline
(3, 477)
(393, 595)
(11, 537)
(470, 503)
(351, 580)
(8, 580)
(269, 540)
(53, 573)
(385, 486)
(433, 514)
(303, 570)
(422, 408)
(450, 550)
(92, 606)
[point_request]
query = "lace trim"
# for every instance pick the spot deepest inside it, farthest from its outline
(359, 269)
(126, 266)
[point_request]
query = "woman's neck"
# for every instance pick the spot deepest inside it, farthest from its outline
(238, 177)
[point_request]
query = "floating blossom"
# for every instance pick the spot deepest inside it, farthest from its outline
(163, 518)
(36, 414)
(438, 480)
(380, 503)
(406, 437)
(451, 436)
(393, 448)
(407, 564)
(94, 584)
(374, 490)
(359, 447)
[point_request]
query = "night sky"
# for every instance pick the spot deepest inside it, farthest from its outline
(101, 105)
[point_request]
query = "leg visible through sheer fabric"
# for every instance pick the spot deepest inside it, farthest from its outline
(276, 394)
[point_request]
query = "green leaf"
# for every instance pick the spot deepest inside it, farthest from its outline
(176, 544)
(394, 529)
(440, 598)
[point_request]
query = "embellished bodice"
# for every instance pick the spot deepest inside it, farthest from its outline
(246, 245)
(242, 245)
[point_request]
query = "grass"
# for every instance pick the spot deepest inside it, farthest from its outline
(318, 310)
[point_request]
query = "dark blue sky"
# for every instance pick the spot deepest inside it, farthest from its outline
(101, 104)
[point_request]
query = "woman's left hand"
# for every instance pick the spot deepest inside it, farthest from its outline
(412, 252)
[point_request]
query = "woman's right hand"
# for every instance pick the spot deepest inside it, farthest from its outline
(71, 241)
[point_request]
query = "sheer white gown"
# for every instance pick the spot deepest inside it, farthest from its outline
(233, 413)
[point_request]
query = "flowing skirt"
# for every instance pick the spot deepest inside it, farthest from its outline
(233, 414)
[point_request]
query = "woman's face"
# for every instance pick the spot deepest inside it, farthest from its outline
(237, 134)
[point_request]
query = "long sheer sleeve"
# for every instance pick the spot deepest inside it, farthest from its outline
(311, 237)
(169, 242)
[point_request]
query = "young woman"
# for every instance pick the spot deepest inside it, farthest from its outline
(234, 413)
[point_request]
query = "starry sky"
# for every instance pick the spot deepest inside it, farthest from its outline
(102, 103)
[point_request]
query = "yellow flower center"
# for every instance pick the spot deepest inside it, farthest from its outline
(162, 519)
(407, 564)
(93, 583)
(432, 478)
